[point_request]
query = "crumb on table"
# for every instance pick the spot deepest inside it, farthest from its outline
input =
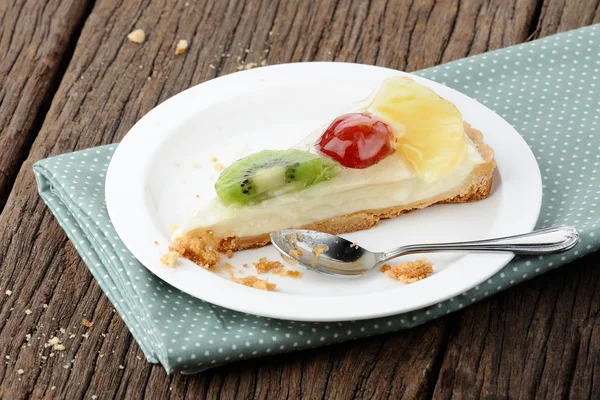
(181, 47)
(229, 254)
(409, 271)
(173, 228)
(86, 323)
(137, 36)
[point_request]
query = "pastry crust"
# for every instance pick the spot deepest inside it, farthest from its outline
(476, 187)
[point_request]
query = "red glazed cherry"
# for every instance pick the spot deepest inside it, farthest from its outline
(357, 140)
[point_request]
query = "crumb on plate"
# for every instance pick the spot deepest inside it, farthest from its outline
(202, 249)
(256, 283)
(170, 259)
(264, 266)
(409, 271)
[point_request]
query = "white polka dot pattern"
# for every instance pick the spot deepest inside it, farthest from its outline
(547, 89)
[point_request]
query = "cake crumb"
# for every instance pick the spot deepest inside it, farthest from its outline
(245, 265)
(20, 371)
(56, 344)
(289, 260)
(214, 159)
(264, 266)
(254, 282)
(155, 242)
(201, 249)
(263, 63)
(229, 254)
(219, 167)
(195, 165)
(250, 281)
(293, 274)
(173, 228)
(87, 323)
(28, 311)
(250, 65)
(170, 259)
(409, 271)
(177, 165)
(181, 47)
(62, 330)
(44, 306)
(8, 292)
(320, 249)
(354, 245)
(137, 36)
(281, 271)
(296, 253)
(211, 66)
(121, 367)
(197, 196)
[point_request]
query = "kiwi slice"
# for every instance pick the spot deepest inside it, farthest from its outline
(271, 173)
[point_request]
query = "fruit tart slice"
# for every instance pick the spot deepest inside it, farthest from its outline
(403, 148)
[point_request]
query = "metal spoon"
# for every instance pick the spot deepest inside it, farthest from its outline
(333, 255)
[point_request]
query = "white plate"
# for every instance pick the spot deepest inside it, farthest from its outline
(164, 161)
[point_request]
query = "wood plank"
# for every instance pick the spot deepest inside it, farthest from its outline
(109, 84)
(562, 15)
(35, 40)
(538, 340)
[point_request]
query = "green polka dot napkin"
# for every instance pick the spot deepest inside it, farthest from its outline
(547, 89)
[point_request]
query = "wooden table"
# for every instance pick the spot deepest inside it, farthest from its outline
(70, 80)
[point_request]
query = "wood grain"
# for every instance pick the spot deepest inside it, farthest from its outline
(538, 340)
(35, 39)
(564, 15)
(110, 83)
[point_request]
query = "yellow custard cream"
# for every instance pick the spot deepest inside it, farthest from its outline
(386, 184)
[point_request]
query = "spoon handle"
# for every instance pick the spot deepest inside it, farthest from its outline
(544, 241)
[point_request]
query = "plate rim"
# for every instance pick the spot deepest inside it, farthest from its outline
(115, 181)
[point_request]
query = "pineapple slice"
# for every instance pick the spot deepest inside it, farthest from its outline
(429, 130)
